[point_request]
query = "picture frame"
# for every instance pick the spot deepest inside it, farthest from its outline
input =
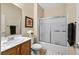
(28, 22)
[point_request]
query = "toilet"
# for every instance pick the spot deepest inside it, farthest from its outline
(35, 47)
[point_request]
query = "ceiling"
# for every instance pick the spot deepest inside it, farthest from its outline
(23, 5)
(50, 5)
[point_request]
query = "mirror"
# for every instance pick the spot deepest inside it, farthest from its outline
(11, 17)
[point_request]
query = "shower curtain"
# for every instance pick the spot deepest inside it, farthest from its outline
(54, 30)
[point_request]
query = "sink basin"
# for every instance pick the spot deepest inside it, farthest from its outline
(12, 41)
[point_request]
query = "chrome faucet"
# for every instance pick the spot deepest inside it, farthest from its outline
(10, 38)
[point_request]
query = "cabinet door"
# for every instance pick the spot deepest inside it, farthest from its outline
(25, 48)
(12, 51)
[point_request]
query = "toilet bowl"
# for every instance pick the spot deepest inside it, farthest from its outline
(36, 48)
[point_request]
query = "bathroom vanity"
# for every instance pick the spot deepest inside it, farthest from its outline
(22, 47)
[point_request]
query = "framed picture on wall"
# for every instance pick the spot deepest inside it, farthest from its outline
(28, 22)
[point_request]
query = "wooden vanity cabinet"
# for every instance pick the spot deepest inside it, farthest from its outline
(22, 49)
(11, 51)
(25, 48)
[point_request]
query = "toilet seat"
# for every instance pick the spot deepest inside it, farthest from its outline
(36, 46)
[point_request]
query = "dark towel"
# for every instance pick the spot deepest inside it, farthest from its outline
(12, 30)
(71, 34)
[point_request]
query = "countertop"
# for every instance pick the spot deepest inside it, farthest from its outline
(15, 43)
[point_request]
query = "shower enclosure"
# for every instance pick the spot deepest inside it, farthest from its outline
(53, 30)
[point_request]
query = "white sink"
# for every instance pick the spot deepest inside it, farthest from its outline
(12, 41)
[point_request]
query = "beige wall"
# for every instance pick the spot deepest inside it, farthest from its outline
(13, 16)
(32, 10)
(35, 11)
(71, 12)
(40, 11)
(67, 9)
(55, 11)
(0, 22)
(40, 14)
(27, 10)
(35, 19)
(0, 8)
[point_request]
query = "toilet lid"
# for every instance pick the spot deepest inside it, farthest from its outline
(36, 46)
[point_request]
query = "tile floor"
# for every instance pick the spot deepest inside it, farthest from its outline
(52, 49)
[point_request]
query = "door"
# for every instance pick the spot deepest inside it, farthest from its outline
(59, 31)
(45, 31)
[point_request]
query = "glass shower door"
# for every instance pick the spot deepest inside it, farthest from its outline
(45, 31)
(59, 32)
(54, 31)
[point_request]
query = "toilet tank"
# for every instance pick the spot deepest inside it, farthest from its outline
(32, 41)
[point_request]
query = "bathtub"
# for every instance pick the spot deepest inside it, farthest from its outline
(53, 49)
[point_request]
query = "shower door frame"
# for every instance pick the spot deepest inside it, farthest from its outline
(50, 27)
